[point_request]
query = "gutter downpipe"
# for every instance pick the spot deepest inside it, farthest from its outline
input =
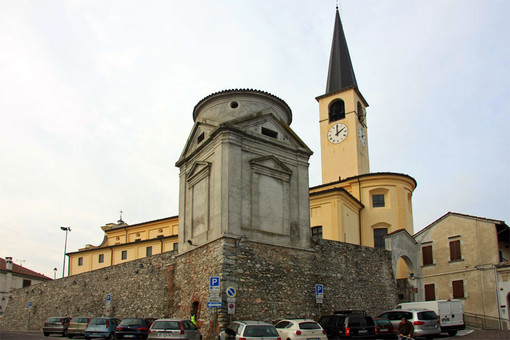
(497, 295)
(360, 233)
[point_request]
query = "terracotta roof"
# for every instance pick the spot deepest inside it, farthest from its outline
(17, 269)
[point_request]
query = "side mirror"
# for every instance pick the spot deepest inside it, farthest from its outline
(230, 332)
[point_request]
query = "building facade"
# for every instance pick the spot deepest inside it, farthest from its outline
(354, 205)
(123, 242)
(467, 257)
(13, 276)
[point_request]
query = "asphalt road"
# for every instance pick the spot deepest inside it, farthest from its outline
(462, 335)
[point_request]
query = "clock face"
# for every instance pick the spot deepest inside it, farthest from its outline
(362, 137)
(337, 133)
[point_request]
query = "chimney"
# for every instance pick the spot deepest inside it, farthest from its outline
(8, 267)
(8, 264)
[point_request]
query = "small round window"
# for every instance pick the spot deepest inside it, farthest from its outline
(234, 105)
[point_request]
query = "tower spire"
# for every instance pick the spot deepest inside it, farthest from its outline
(340, 73)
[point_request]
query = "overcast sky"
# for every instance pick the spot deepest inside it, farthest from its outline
(96, 101)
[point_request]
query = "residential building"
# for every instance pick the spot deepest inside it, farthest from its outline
(467, 257)
(13, 276)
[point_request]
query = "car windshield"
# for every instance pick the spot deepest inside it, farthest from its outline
(54, 320)
(98, 321)
(260, 331)
(309, 325)
(80, 320)
(132, 322)
(171, 325)
(429, 315)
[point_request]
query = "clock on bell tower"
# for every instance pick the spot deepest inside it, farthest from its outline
(343, 129)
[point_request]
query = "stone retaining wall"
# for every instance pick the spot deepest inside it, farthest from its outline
(272, 283)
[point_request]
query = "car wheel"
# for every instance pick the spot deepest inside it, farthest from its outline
(46, 333)
(452, 333)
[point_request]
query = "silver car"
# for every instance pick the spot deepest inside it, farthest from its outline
(174, 329)
(250, 330)
(425, 321)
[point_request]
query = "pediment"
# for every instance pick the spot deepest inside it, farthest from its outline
(199, 134)
(270, 163)
(269, 127)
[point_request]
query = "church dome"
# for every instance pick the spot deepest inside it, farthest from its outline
(232, 104)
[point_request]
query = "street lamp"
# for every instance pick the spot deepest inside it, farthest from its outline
(66, 229)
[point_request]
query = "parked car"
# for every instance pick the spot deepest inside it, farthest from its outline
(133, 328)
(77, 326)
(450, 313)
(348, 325)
(295, 329)
(174, 329)
(426, 322)
(104, 327)
(384, 329)
(249, 330)
(56, 325)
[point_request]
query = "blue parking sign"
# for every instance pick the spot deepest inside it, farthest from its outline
(319, 290)
(214, 281)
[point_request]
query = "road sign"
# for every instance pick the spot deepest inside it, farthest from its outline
(231, 308)
(231, 300)
(231, 292)
(319, 290)
(214, 281)
(108, 297)
(214, 299)
(214, 305)
(30, 305)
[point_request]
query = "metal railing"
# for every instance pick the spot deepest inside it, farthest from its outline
(485, 322)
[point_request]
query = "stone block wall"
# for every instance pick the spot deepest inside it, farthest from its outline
(272, 283)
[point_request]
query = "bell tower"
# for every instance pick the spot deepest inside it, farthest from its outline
(342, 118)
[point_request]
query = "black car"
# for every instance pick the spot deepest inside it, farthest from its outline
(348, 325)
(133, 328)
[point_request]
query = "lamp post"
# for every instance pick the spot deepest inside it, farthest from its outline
(54, 273)
(66, 229)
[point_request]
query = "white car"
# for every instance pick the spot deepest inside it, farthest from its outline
(249, 330)
(300, 329)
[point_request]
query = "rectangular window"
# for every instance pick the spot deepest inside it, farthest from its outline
(455, 254)
(379, 241)
(430, 292)
(27, 283)
(269, 133)
(426, 252)
(317, 233)
(458, 289)
(148, 251)
(80, 261)
(101, 258)
(378, 201)
(200, 138)
(124, 255)
(176, 246)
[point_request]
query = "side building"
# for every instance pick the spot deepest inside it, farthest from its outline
(123, 243)
(13, 276)
(467, 257)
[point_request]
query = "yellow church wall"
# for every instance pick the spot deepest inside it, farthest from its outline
(348, 158)
(161, 235)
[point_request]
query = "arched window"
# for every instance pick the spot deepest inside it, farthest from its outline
(361, 114)
(336, 110)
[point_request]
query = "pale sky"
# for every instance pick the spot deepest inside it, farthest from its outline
(96, 101)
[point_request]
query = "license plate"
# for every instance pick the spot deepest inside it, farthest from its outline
(130, 336)
(362, 331)
(312, 339)
(383, 329)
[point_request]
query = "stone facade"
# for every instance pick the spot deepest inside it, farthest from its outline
(272, 282)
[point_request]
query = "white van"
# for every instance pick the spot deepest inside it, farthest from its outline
(450, 313)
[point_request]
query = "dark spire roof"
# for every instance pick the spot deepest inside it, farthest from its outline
(340, 74)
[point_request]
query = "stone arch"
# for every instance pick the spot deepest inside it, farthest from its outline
(403, 246)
